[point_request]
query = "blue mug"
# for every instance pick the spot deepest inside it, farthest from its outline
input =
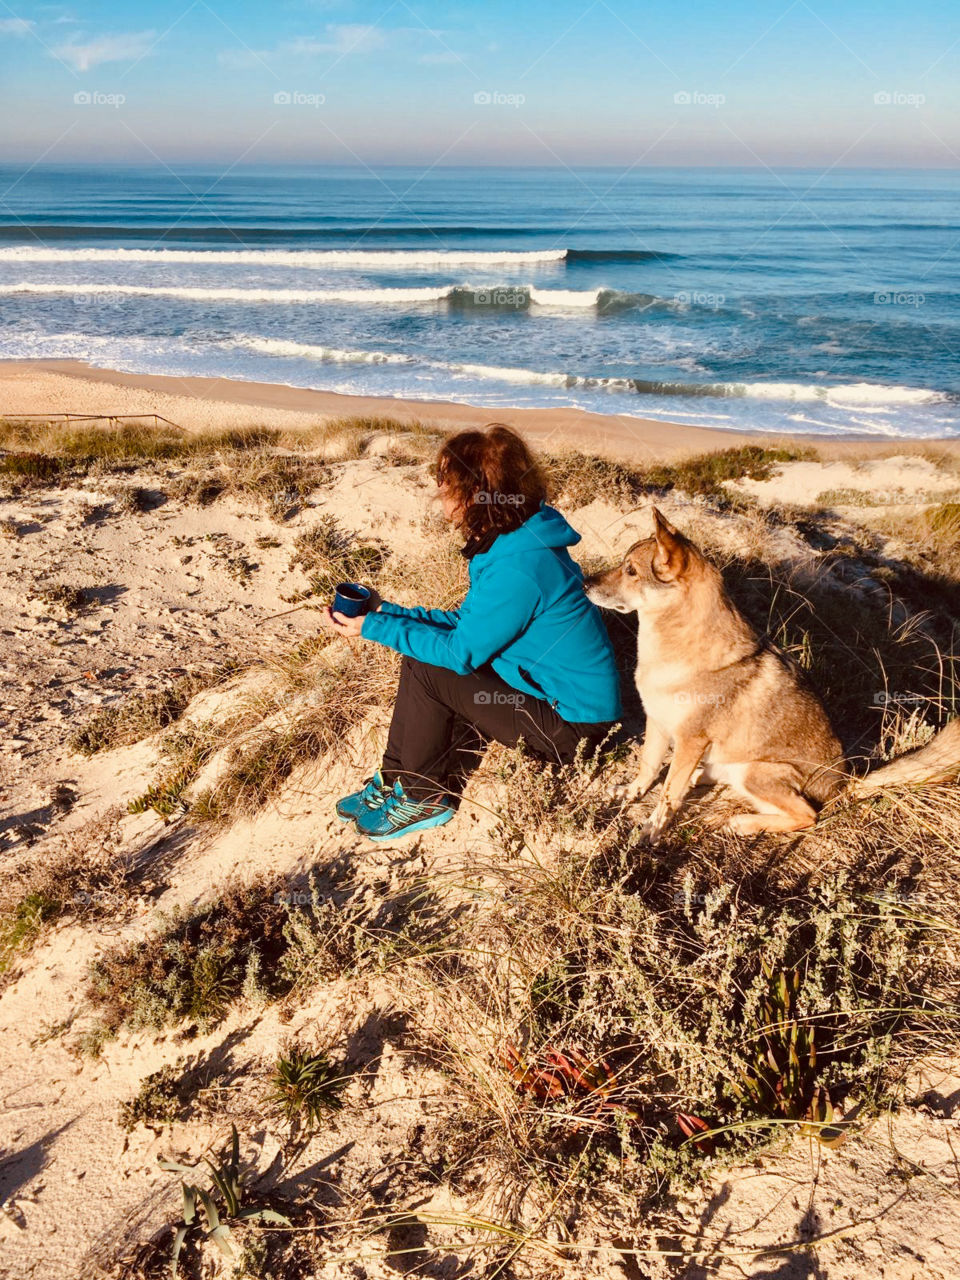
(351, 599)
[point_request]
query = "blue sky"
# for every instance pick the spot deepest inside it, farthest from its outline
(692, 83)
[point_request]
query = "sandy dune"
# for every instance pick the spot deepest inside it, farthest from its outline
(165, 593)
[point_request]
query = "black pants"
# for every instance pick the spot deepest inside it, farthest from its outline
(442, 723)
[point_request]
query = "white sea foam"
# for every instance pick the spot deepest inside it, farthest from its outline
(565, 298)
(816, 407)
(199, 294)
(325, 355)
(855, 395)
(503, 373)
(311, 351)
(865, 396)
(392, 258)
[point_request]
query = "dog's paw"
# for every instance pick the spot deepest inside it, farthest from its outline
(657, 823)
(625, 792)
(654, 827)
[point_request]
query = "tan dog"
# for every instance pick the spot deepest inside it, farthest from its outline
(729, 703)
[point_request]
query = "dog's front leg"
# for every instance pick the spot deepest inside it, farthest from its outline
(653, 752)
(686, 756)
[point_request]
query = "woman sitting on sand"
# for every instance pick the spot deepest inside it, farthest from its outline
(526, 654)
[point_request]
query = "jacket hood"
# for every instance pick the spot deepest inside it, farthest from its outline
(545, 528)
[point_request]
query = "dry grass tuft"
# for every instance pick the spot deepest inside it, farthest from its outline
(85, 875)
(329, 555)
(578, 479)
(278, 481)
(931, 535)
(325, 694)
(143, 713)
(60, 595)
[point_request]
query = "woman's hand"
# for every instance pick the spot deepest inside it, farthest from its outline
(339, 624)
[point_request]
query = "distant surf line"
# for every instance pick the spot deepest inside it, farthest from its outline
(318, 258)
(491, 297)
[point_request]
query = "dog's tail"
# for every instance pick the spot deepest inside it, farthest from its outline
(938, 761)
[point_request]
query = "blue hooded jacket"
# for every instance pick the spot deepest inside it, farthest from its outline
(526, 615)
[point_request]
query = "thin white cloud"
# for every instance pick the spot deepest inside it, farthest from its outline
(338, 40)
(122, 47)
(16, 26)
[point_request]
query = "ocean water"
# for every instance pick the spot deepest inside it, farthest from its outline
(789, 301)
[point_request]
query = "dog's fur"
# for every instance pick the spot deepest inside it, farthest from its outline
(729, 703)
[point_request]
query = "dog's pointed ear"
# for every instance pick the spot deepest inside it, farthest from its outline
(670, 559)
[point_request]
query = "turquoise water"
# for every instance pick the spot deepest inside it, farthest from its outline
(731, 298)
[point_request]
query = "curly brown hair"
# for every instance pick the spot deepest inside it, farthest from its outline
(493, 477)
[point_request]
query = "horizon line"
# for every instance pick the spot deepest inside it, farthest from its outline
(361, 166)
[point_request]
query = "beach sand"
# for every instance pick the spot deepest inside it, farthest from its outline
(71, 386)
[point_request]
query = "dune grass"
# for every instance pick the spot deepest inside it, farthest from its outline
(328, 555)
(614, 1021)
(144, 712)
(86, 876)
(276, 468)
(306, 1086)
(930, 538)
(577, 478)
(23, 440)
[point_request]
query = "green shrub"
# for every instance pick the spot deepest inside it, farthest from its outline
(161, 1099)
(195, 966)
(306, 1086)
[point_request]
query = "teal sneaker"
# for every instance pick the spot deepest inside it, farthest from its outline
(401, 816)
(371, 797)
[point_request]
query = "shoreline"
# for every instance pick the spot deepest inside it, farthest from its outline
(199, 403)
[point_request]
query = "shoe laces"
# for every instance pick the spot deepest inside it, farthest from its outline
(372, 791)
(399, 805)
